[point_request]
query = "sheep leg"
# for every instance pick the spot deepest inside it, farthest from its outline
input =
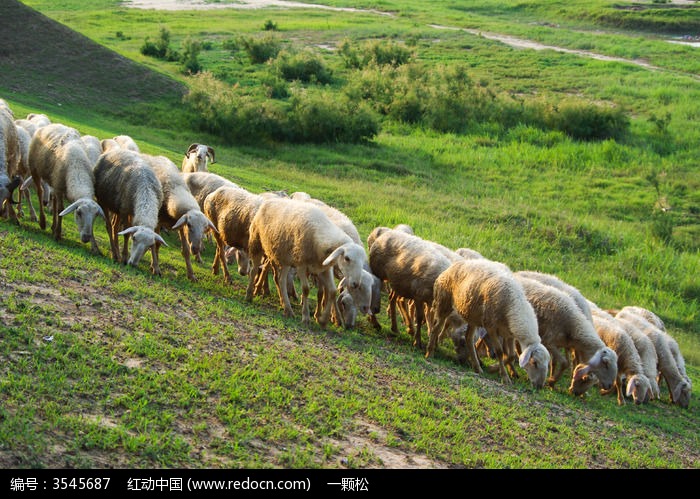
(220, 258)
(436, 332)
(253, 276)
(185, 249)
(56, 225)
(325, 283)
(155, 265)
(471, 349)
(38, 184)
(559, 364)
(281, 283)
(420, 318)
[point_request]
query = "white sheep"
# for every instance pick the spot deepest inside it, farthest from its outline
(629, 362)
(231, 210)
(196, 158)
(300, 235)
(9, 161)
(39, 119)
(58, 157)
(562, 325)
(679, 385)
(646, 350)
(109, 144)
(351, 301)
(180, 209)
(131, 195)
(201, 184)
(409, 265)
(127, 142)
(486, 294)
(29, 126)
(22, 170)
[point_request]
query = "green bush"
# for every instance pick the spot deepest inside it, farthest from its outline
(588, 121)
(304, 66)
(190, 51)
(262, 49)
(378, 53)
(160, 49)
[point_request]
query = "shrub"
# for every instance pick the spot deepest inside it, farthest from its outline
(587, 121)
(270, 26)
(261, 50)
(379, 53)
(160, 49)
(304, 66)
(190, 50)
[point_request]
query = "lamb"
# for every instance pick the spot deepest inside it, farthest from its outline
(40, 120)
(180, 209)
(300, 235)
(352, 301)
(109, 144)
(231, 209)
(485, 293)
(127, 142)
(629, 363)
(9, 161)
(562, 325)
(130, 193)
(409, 265)
(679, 386)
(58, 157)
(197, 157)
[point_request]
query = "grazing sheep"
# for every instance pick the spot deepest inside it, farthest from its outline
(409, 265)
(646, 350)
(201, 184)
(486, 294)
(562, 325)
(180, 209)
(196, 158)
(558, 283)
(468, 253)
(629, 363)
(29, 126)
(670, 369)
(9, 161)
(129, 192)
(231, 210)
(352, 301)
(22, 170)
(127, 142)
(300, 235)
(58, 157)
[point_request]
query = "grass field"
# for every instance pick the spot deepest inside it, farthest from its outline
(107, 366)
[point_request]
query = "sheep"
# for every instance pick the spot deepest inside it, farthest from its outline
(58, 156)
(109, 144)
(196, 158)
(468, 253)
(127, 142)
(9, 161)
(300, 235)
(29, 126)
(562, 325)
(180, 209)
(350, 301)
(231, 209)
(129, 192)
(22, 169)
(485, 293)
(409, 265)
(629, 363)
(679, 384)
(93, 146)
(646, 350)
(201, 184)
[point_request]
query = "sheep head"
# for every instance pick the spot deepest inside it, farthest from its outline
(194, 224)
(639, 388)
(604, 365)
(142, 238)
(242, 259)
(85, 211)
(350, 258)
(535, 360)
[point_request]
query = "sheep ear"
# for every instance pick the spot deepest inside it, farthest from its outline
(211, 154)
(161, 240)
(341, 284)
(71, 208)
(181, 221)
(596, 360)
(191, 148)
(581, 371)
(27, 182)
(127, 231)
(212, 226)
(331, 259)
(630, 386)
(525, 357)
(100, 212)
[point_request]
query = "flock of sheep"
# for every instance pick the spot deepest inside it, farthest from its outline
(487, 310)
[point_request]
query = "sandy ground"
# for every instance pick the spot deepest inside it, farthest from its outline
(242, 4)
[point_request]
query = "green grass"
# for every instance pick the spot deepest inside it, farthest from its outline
(143, 371)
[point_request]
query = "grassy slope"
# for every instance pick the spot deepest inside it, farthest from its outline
(133, 376)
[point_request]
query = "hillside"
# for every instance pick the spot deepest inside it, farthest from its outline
(38, 57)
